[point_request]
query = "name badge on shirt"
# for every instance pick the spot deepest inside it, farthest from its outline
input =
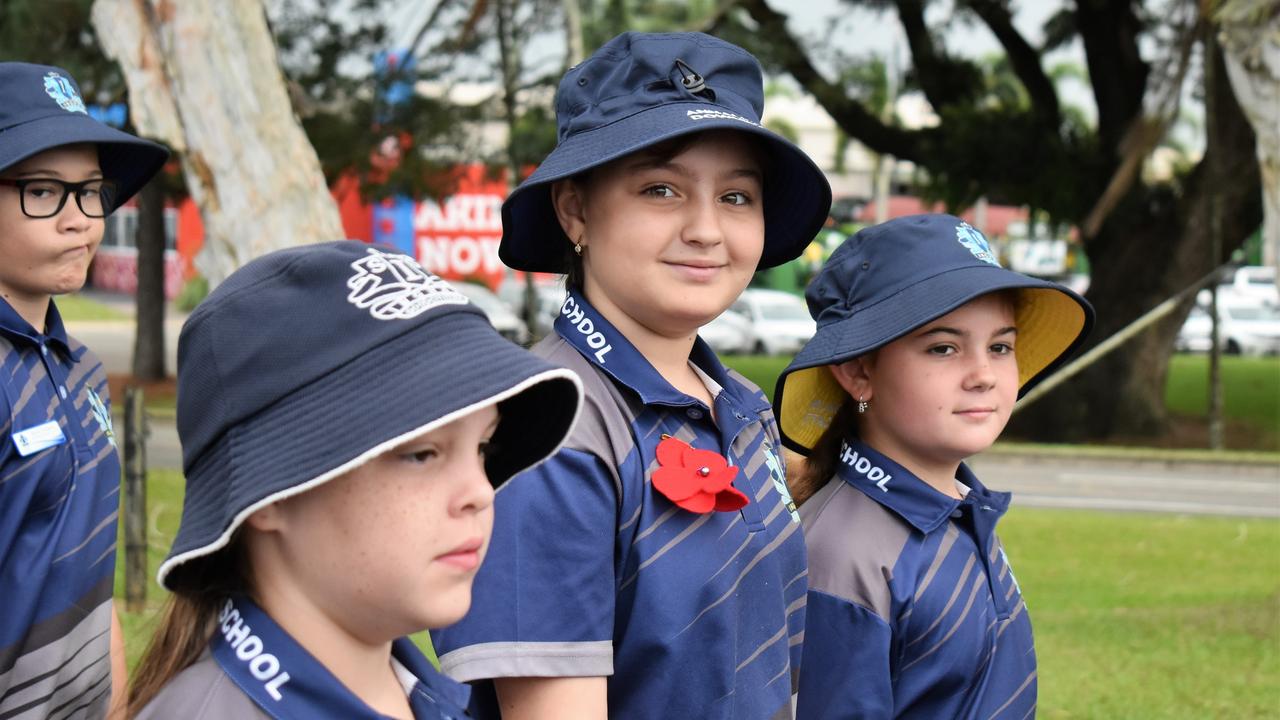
(38, 437)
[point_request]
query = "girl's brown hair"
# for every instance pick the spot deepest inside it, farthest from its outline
(200, 587)
(818, 468)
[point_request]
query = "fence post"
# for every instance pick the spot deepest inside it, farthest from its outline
(135, 501)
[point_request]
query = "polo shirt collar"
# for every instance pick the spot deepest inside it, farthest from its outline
(14, 325)
(287, 682)
(906, 495)
(583, 327)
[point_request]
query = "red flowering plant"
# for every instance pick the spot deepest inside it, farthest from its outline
(697, 480)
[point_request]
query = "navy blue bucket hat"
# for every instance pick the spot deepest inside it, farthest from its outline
(890, 279)
(308, 362)
(641, 89)
(43, 109)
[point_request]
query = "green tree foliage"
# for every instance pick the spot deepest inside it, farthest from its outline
(58, 32)
(361, 111)
(1003, 133)
(603, 19)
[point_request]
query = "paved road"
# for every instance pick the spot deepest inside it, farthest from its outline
(112, 340)
(1142, 485)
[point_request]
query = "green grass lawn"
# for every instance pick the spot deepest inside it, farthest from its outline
(1149, 616)
(1136, 616)
(74, 307)
(1250, 388)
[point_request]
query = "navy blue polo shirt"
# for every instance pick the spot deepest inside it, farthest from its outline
(594, 572)
(59, 500)
(913, 609)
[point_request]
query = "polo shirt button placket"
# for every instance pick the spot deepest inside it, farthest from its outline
(984, 537)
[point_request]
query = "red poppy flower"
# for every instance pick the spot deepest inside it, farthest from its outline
(697, 480)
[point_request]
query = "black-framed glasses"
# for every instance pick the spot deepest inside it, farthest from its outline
(44, 197)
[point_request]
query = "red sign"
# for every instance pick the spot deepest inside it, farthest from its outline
(457, 237)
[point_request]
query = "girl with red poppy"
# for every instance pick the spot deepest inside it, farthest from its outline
(653, 568)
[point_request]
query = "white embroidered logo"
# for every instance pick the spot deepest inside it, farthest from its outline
(780, 481)
(395, 287)
(64, 93)
(718, 115)
(976, 243)
(103, 416)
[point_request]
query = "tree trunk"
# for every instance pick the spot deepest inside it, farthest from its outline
(148, 345)
(1251, 39)
(1154, 245)
(203, 78)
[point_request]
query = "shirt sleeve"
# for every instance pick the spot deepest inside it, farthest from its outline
(845, 671)
(543, 602)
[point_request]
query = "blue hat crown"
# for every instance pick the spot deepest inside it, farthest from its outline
(882, 260)
(637, 71)
(642, 89)
(43, 109)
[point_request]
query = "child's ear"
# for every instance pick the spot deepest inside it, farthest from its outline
(853, 377)
(266, 519)
(570, 205)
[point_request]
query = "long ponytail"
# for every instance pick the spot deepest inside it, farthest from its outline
(820, 465)
(187, 620)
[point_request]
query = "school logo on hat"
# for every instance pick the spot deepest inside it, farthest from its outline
(395, 287)
(63, 92)
(976, 243)
(706, 114)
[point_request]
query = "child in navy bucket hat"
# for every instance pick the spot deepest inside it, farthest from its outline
(61, 173)
(924, 344)
(345, 418)
(654, 567)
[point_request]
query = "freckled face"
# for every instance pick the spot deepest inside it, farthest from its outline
(945, 391)
(392, 547)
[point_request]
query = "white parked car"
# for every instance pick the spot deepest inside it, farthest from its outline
(729, 333)
(780, 322)
(1253, 282)
(1249, 328)
(500, 316)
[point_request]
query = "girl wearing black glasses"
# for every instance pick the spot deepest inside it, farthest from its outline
(61, 173)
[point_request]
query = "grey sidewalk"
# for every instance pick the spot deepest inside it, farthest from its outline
(112, 340)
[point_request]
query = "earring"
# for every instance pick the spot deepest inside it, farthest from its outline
(862, 405)
(577, 248)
